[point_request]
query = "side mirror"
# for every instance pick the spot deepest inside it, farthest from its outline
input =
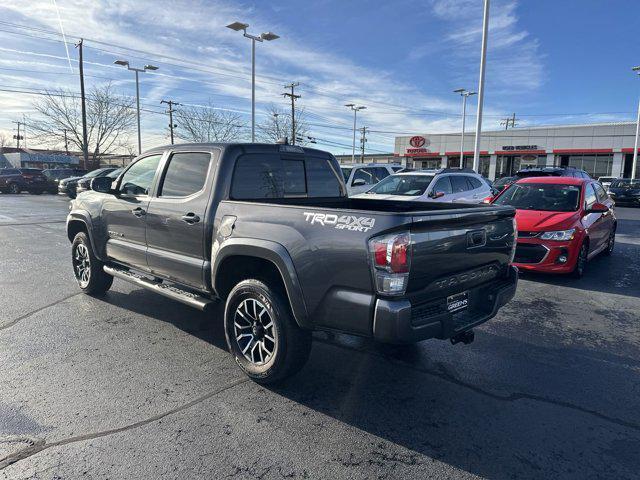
(358, 182)
(597, 208)
(101, 184)
(437, 194)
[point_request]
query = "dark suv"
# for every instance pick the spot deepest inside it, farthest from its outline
(11, 181)
(34, 179)
(502, 183)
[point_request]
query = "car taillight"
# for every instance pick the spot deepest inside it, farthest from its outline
(391, 258)
(487, 199)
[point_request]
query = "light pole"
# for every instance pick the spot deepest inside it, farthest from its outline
(125, 63)
(483, 57)
(635, 145)
(355, 109)
(464, 93)
(268, 36)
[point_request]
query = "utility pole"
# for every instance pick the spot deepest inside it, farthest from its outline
(634, 163)
(85, 142)
(509, 120)
(363, 141)
(18, 137)
(355, 109)
(293, 97)
(171, 103)
(483, 58)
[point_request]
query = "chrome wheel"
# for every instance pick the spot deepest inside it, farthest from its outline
(82, 265)
(254, 331)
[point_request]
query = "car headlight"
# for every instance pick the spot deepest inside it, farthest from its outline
(561, 235)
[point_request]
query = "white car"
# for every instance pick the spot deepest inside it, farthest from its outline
(606, 181)
(361, 177)
(446, 185)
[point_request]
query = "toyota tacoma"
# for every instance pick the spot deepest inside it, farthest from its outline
(270, 231)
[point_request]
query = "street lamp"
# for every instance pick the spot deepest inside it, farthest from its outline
(635, 145)
(355, 109)
(268, 36)
(483, 58)
(125, 63)
(464, 93)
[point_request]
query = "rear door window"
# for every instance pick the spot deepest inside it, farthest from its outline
(185, 174)
(459, 183)
(474, 183)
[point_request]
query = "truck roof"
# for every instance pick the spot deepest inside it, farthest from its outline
(246, 145)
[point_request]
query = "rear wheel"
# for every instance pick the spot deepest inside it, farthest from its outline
(581, 261)
(261, 333)
(88, 270)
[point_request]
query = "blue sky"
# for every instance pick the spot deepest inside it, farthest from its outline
(548, 61)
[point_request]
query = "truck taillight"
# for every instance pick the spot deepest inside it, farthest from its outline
(391, 258)
(515, 241)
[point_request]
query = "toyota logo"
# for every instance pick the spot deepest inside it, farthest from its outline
(417, 141)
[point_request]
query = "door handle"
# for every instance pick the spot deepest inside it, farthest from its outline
(139, 212)
(191, 218)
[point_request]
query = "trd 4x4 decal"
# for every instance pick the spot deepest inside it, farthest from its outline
(342, 222)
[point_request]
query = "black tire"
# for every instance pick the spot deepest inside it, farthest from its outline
(14, 188)
(262, 304)
(611, 243)
(581, 261)
(88, 270)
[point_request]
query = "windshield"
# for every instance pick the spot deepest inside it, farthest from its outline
(607, 179)
(546, 197)
(626, 183)
(346, 171)
(98, 173)
(501, 182)
(409, 185)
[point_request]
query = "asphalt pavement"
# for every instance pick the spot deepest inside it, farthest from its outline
(133, 385)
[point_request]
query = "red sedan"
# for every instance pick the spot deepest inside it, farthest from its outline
(563, 222)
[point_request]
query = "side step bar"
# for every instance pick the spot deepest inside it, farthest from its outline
(175, 293)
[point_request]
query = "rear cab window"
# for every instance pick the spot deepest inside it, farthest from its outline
(262, 176)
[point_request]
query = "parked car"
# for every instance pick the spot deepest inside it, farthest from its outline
(68, 185)
(562, 223)
(35, 181)
(54, 175)
(552, 172)
(606, 181)
(84, 183)
(625, 191)
(361, 177)
(445, 185)
(11, 181)
(502, 183)
(270, 231)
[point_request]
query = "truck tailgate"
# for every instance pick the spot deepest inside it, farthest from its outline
(458, 250)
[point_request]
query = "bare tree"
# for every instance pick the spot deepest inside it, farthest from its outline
(4, 141)
(277, 125)
(109, 120)
(208, 124)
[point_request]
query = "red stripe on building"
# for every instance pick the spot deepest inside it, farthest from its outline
(423, 154)
(482, 152)
(628, 150)
(520, 152)
(585, 150)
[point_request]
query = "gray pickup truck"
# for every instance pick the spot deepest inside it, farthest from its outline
(270, 231)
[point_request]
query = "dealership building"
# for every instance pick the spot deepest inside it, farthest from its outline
(604, 149)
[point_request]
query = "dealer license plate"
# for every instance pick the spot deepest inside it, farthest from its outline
(457, 302)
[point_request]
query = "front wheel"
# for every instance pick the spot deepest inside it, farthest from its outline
(262, 334)
(88, 270)
(581, 261)
(14, 188)
(611, 243)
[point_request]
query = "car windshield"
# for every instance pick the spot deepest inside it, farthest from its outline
(607, 179)
(96, 173)
(346, 171)
(501, 182)
(539, 196)
(409, 185)
(626, 183)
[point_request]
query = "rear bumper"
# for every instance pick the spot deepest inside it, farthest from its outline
(398, 321)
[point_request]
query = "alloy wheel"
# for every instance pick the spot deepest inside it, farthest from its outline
(254, 331)
(82, 265)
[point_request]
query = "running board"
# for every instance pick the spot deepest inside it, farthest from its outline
(175, 293)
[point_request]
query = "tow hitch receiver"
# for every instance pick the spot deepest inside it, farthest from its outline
(465, 337)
